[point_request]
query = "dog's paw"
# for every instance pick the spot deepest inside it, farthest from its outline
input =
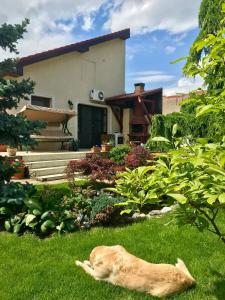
(87, 262)
(78, 263)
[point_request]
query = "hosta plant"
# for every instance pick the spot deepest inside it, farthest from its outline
(140, 188)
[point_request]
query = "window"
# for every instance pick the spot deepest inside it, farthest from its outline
(41, 101)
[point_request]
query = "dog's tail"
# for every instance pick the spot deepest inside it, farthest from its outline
(181, 266)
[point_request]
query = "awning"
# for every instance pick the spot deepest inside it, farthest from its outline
(50, 115)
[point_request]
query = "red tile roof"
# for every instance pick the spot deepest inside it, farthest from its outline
(80, 47)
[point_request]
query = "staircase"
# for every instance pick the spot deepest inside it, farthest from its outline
(47, 166)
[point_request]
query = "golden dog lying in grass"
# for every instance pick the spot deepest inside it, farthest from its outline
(117, 266)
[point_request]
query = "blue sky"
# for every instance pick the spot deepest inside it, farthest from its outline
(161, 31)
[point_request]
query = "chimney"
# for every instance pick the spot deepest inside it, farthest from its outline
(139, 88)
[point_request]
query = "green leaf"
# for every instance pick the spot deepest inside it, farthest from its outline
(36, 212)
(160, 139)
(222, 198)
(212, 199)
(33, 204)
(7, 225)
(3, 210)
(179, 59)
(48, 224)
(126, 211)
(179, 197)
(29, 218)
(205, 109)
(223, 7)
(174, 129)
(16, 228)
(215, 170)
(45, 215)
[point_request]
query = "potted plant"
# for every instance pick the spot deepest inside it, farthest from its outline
(106, 147)
(3, 148)
(11, 151)
(18, 165)
(96, 149)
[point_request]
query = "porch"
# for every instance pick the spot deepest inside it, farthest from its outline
(48, 166)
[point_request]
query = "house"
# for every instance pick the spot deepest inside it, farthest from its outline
(87, 77)
(172, 103)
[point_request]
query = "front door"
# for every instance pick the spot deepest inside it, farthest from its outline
(92, 122)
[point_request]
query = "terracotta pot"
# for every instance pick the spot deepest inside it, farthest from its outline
(19, 173)
(106, 147)
(11, 151)
(3, 148)
(95, 149)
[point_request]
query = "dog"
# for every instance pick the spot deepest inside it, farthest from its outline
(117, 266)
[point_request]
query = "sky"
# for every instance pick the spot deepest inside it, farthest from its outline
(161, 31)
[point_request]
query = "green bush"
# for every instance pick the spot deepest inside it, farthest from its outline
(140, 189)
(211, 126)
(41, 213)
(194, 176)
(104, 211)
(118, 154)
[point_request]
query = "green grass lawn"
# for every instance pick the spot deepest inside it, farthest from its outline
(31, 268)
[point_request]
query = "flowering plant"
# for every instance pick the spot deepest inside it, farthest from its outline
(17, 163)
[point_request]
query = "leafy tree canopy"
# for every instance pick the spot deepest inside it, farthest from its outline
(14, 130)
(10, 34)
(210, 17)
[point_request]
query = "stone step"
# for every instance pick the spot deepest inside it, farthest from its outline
(46, 156)
(46, 171)
(47, 163)
(51, 177)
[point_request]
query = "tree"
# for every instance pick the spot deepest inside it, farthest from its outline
(14, 130)
(192, 173)
(210, 17)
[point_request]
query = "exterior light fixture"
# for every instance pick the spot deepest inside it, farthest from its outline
(70, 103)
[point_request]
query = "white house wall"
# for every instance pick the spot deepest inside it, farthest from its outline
(71, 77)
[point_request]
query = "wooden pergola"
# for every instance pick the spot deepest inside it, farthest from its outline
(143, 104)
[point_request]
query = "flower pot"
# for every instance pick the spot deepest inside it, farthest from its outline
(11, 151)
(19, 173)
(106, 147)
(3, 148)
(95, 149)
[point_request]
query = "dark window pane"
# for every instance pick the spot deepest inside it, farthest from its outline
(41, 101)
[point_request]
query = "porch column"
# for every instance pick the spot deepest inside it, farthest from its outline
(126, 123)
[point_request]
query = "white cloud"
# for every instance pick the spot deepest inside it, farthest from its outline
(150, 76)
(184, 85)
(52, 22)
(88, 23)
(170, 49)
(138, 49)
(174, 16)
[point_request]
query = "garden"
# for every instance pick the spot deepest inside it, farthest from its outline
(160, 200)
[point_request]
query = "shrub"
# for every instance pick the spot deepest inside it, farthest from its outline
(46, 212)
(99, 169)
(138, 156)
(104, 211)
(118, 154)
(140, 189)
